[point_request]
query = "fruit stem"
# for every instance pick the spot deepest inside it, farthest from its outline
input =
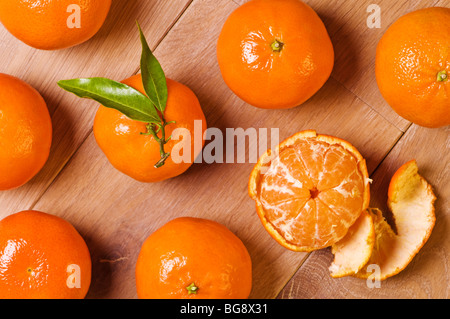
(153, 129)
(277, 46)
(442, 76)
(192, 289)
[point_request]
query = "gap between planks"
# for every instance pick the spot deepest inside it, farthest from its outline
(175, 21)
(361, 98)
(292, 276)
(373, 109)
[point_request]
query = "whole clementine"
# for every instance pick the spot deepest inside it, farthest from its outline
(53, 24)
(42, 257)
(134, 153)
(413, 66)
(275, 54)
(25, 132)
(193, 258)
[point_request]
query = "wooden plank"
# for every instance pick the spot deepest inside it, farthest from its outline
(115, 213)
(114, 52)
(427, 276)
(320, 260)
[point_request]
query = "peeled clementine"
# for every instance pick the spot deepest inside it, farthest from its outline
(55, 24)
(275, 54)
(134, 153)
(193, 258)
(25, 132)
(413, 67)
(42, 257)
(310, 190)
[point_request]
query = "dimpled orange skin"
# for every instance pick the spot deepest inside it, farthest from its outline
(25, 132)
(192, 250)
(44, 24)
(36, 250)
(135, 154)
(410, 55)
(265, 78)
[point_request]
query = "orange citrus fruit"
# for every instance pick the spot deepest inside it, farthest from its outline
(353, 252)
(411, 201)
(56, 24)
(25, 132)
(275, 54)
(135, 154)
(193, 258)
(413, 66)
(310, 190)
(42, 257)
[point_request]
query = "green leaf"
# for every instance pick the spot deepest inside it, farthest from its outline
(153, 77)
(116, 95)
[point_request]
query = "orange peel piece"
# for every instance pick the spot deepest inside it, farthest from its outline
(411, 201)
(353, 252)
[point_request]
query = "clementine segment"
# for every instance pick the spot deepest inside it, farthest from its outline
(42, 257)
(135, 154)
(413, 67)
(310, 190)
(193, 258)
(52, 25)
(25, 132)
(275, 54)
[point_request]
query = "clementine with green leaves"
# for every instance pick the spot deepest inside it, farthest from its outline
(135, 123)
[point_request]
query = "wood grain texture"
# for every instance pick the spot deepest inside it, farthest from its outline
(428, 274)
(114, 52)
(115, 214)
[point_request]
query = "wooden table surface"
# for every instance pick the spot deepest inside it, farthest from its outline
(115, 214)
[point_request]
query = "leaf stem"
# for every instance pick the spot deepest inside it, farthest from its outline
(153, 129)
